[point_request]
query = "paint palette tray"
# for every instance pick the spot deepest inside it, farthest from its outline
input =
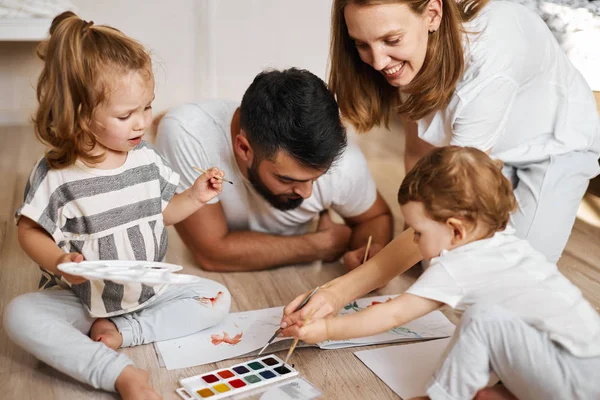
(148, 272)
(239, 378)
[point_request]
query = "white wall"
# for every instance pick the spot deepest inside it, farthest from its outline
(250, 35)
(202, 48)
(19, 68)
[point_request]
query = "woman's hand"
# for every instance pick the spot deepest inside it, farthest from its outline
(324, 303)
(66, 258)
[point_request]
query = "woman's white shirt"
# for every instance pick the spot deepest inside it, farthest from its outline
(519, 95)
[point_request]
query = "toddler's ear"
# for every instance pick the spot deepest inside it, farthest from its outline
(459, 229)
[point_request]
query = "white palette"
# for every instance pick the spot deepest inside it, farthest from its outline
(151, 273)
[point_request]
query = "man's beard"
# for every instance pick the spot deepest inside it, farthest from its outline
(280, 202)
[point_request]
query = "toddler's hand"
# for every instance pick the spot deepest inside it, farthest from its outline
(71, 257)
(207, 185)
(314, 331)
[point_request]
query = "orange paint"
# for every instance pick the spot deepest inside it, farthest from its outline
(204, 393)
(217, 339)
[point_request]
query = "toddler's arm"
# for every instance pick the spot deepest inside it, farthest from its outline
(373, 320)
(40, 247)
(206, 187)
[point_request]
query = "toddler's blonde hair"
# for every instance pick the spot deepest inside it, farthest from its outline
(80, 61)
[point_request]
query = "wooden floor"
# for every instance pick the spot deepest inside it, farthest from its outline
(338, 373)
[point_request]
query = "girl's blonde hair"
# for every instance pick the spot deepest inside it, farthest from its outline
(80, 60)
(366, 98)
(461, 182)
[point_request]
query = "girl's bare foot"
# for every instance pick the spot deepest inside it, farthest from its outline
(133, 384)
(103, 330)
(497, 392)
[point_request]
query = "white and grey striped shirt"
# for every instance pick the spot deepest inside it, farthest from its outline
(104, 215)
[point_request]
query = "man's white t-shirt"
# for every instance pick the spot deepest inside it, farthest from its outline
(199, 134)
(519, 95)
(506, 271)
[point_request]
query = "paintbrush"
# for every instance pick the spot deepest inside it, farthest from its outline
(289, 354)
(367, 251)
(217, 177)
(278, 331)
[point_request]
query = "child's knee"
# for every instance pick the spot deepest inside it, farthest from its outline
(218, 299)
(20, 316)
(484, 314)
(224, 302)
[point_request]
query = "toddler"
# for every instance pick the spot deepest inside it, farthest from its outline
(520, 318)
(102, 193)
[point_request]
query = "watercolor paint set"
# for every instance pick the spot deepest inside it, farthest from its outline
(239, 378)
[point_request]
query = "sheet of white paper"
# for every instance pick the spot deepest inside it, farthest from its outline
(250, 329)
(244, 333)
(406, 368)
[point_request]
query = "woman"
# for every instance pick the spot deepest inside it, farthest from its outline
(474, 73)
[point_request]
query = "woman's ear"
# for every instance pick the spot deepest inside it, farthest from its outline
(434, 15)
(459, 230)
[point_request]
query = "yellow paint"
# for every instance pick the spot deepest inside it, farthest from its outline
(221, 388)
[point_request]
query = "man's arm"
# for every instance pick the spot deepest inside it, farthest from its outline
(377, 221)
(215, 248)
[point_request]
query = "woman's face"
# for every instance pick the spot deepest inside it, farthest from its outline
(392, 38)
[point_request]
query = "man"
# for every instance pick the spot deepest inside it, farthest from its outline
(285, 150)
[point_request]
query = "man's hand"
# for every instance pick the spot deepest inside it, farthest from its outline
(336, 238)
(71, 257)
(354, 258)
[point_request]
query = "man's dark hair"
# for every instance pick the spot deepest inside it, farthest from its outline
(292, 110)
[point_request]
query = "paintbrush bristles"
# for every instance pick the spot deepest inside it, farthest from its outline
(217, 177)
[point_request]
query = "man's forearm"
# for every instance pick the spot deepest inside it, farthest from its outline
(381, 228)
(251, 251)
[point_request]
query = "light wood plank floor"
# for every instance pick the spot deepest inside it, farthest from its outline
(339, 374)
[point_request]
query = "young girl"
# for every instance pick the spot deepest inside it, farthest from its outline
(521, 318)
(101, 193)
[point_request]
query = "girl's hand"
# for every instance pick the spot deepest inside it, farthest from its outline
(207, 185)
(71, 257)
(323, 304)
(313, 331)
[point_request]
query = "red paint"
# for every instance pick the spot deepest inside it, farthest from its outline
(373, 303)
(210, 300)
(236, 383)
(225, 374)
(210, 378)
